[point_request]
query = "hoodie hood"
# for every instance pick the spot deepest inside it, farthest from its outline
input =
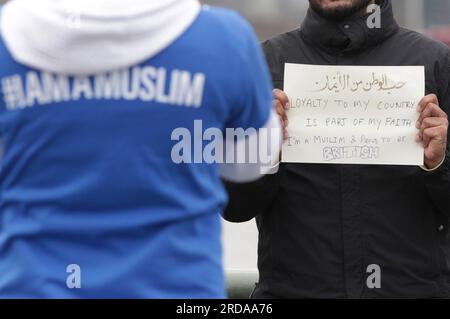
(92, 36)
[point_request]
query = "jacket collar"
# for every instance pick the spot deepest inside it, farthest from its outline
(352, 34)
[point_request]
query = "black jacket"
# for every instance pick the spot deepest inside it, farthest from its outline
(321, 226)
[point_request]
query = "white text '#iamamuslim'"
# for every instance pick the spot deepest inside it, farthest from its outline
(145, 83)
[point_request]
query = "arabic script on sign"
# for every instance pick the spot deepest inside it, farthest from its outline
(341, 82)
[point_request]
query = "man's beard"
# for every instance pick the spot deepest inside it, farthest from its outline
(341, 12)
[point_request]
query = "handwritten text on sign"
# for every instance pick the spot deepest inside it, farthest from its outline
(353, 114)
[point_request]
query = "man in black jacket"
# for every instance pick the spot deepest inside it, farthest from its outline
(355, 231)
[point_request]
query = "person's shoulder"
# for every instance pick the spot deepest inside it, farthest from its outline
(222, 15)
(226, 21)
(284, 38)
(282, 41)
(227, 32)
(424, 42)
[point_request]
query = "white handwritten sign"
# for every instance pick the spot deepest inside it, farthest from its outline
(353, 114)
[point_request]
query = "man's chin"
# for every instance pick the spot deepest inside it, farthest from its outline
(340, 9)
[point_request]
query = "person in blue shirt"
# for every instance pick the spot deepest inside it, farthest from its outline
(101, 194)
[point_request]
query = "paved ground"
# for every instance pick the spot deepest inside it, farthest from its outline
(240, 242)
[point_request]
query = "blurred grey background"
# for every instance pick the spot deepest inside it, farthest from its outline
(271, 17)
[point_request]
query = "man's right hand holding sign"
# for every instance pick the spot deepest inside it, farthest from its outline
(433, 125)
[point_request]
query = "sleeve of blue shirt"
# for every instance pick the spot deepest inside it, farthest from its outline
(253, 101)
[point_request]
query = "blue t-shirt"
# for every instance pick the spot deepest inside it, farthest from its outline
(92, 203)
